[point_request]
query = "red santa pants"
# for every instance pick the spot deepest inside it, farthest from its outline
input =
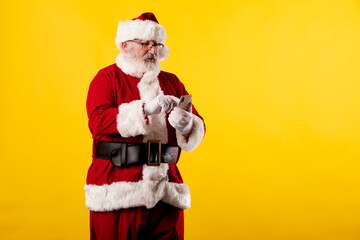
(160, 222)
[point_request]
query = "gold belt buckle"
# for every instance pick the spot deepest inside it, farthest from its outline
(157, 163)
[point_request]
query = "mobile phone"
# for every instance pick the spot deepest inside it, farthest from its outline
(184, 102)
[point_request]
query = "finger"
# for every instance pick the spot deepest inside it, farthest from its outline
(174, 99)
(189, 109)
(168, 108)
(164, 106)
(167, 103)
(173, 105)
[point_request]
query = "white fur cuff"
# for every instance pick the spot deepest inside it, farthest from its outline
(193, 141)
(131, 120)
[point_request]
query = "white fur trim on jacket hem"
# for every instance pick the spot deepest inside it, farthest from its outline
(147, 192)
(131, 120)
(193, 141)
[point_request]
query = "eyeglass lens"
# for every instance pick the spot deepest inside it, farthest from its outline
(148, 46)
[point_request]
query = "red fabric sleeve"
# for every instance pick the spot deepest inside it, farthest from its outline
(101, 106)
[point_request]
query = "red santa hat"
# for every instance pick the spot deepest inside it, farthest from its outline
(145, 27)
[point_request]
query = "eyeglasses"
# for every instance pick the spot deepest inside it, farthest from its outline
(147, 45)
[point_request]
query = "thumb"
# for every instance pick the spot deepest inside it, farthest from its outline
(189, 108)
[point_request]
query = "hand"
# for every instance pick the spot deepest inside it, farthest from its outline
(162, 103)
(181, 120)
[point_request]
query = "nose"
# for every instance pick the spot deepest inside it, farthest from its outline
(152, 50)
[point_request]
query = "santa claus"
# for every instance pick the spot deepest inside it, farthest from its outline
(134, 189)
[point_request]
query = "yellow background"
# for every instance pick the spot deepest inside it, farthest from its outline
(277, 83)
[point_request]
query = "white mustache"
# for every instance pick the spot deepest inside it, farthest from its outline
(150, 56)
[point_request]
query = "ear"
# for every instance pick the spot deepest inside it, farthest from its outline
(125, 46)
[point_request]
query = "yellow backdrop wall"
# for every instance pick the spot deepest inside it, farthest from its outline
(277, 83)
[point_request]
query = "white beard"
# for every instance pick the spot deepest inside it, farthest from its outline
(136, 67)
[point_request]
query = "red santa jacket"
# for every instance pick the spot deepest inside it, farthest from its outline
(115, 110)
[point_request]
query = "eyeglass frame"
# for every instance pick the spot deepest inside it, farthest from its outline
(156, 45)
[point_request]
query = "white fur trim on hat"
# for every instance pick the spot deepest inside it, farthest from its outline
(139, 29)
(164, 53)
(193, 141)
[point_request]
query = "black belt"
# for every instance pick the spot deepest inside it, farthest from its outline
(128, 154)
